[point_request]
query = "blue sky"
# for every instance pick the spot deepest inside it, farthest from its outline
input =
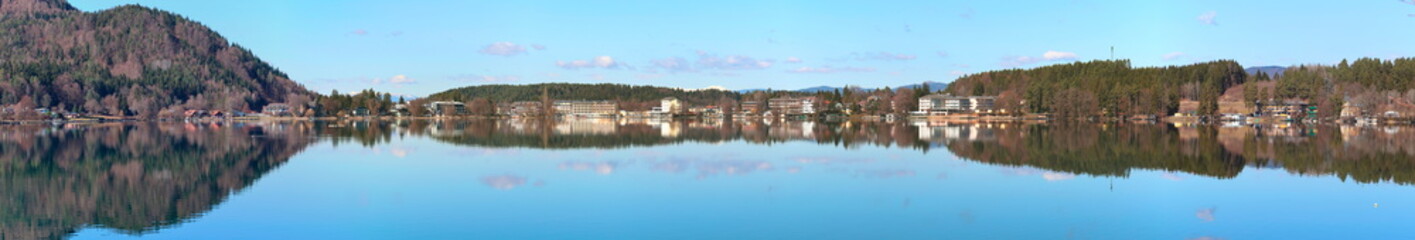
(422, 47)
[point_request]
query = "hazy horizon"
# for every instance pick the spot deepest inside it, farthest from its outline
(429, 46)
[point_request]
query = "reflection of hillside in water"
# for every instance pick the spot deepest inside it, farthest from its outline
(1362, 154)
(130, 177)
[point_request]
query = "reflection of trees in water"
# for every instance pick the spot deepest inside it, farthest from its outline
(1360, 154)
(130, 177)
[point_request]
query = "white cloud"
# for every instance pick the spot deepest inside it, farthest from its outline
(1018, 61)
(538, 47)
(605, 62)
(793, 60)
(1209, 18)
(1055, 55)
(1174, 56)
(359, 32)
(829, 69)
(400, 79)
(505, 49)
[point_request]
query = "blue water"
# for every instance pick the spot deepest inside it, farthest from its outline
(413, 187)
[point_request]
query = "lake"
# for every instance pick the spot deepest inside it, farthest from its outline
(648, 179)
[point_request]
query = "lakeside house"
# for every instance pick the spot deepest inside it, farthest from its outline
(790, 106)
(1187, 108)
(277, 110)
(447, 108)
(1288, 109)
(751, 107)
(521, 109)
(593, 109)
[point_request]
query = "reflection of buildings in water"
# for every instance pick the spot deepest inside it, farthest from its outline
(441, 127)
(957, 131)
(792, 130)
(589, 126)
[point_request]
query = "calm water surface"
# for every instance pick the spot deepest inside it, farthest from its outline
(599, 179)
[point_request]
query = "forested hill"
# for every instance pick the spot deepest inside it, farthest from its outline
(570, 91)
(130, 61)
(1113, 87)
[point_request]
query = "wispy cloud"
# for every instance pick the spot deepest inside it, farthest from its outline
(829, 69)
(359, 32)
(505, 49)
(396, 80)
(1174, 56)
(604, 62)
(883, 56)
(731, 62)
(673, 64)
(942, 54)
(1018, 61)
(485, 78)
(708, 61)
(538, 47)
(793, 60)
(1209, 18)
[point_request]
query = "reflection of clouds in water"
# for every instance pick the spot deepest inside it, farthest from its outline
(1050, 176)
(967, 217)
(1206, 214)
(885, 173)
(482, 152)
(1057, 176)
(1207, 238)
(793, 169)
(400, 151)
(603, 168)
(730, 167)
(942, 175)
(649, 154)
(505, 182)
(706, 168)
(1171, 176)
(830, 160)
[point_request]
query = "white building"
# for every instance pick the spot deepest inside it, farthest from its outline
(940, 103)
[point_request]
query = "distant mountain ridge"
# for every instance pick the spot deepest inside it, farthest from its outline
(128, 61)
